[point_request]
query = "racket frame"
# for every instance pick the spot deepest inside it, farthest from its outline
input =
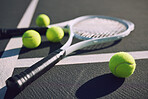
(88, 42)
(20, 81)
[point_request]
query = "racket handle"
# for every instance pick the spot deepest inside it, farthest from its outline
(20, 81)
(5, 33)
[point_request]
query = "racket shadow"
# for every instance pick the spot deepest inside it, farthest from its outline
(23, 50)
(46, 47)
(55, 46)
(99, 87)
(45, 44)
(96, 47)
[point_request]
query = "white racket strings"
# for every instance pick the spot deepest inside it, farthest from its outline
(98, 28)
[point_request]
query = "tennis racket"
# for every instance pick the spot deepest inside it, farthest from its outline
(92, 29)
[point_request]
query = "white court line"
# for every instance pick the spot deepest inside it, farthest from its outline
(7, 64)
(27, 17)
(83, 59)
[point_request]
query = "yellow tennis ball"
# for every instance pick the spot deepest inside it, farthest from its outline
(122, 64)
(55, 34)
(42, 20)
(31, 39)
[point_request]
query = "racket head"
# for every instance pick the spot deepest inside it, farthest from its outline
(98, 27)
(97, 30)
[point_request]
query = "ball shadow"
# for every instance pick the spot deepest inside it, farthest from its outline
(99, 87)
(44, 44)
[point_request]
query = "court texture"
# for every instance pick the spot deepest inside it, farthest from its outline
(85, 73)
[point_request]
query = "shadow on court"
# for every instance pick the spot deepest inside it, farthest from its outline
(96, 47)
(41, 52)
(23, 50)
(92, 89)
(99, 87)
(46, 47)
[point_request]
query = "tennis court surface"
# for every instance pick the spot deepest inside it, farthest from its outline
(85, 73)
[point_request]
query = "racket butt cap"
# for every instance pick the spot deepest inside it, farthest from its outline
(12, 83)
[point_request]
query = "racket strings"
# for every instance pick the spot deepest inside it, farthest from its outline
(98, 28)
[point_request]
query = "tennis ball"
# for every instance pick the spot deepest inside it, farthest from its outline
(31, 39)
(42, 20)
(122, 64)
(55, 34)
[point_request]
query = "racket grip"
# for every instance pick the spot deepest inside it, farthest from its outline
(20, 81)
(6, 33)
